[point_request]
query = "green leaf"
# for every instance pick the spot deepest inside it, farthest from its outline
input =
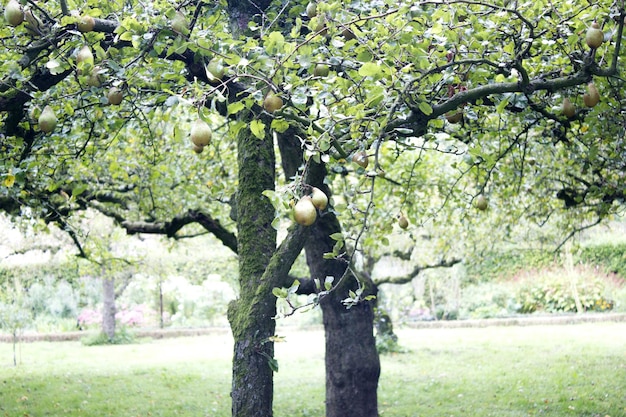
(425, 108)
(370, 69)
(279, 292)
(280, 125)
(126, 36)
(273, 363)
(338, 246)
(275, 42)
(235, 107)
(328, 282)
(336, 236)
(257, 128)
(79, 189)
(502, 105)
(54, 67)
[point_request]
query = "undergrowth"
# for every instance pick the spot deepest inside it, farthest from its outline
(122, 336)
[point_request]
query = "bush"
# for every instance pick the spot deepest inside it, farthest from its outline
(184, 303)
(488, 300)
(553, 290)
(498, 264)
(122, 337)
(134, 316)
(45, 323)
(54, 298)
(610, 257)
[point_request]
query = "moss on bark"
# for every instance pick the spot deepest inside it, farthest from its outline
(251, 316)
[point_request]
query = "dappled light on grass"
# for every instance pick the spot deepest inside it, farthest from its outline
(572, 370)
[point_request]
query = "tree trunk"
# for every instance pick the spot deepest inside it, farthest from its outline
(108, 307)
(14, 347)
(352, 361)
(384, 327)
(251, 316)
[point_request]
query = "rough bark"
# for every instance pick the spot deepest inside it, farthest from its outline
(251, 315)
(108, 307)
(352, 362)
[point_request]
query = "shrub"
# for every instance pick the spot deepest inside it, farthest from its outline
(553, 290)
(498, 264)
(611, 257)
(52, 297)
(122, 337)
(184, 303)
(488, 300)
(133, 316)
(45, 323)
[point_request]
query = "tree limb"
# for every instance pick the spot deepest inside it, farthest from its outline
(172, 227)
(404, 279)
(277, 271)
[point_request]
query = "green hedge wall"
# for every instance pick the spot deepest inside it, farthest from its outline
(497, 265)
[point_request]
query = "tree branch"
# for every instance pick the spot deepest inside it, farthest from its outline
(172, 227)
(277, 271)
(404, 279)
(214, 227)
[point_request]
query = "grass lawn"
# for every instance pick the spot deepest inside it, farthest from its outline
(570, 370)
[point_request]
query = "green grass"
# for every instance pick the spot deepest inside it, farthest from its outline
(573, 370)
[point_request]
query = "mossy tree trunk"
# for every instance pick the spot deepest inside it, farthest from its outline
(251, 315)
(262, 266)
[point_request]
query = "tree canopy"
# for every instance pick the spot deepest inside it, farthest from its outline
(387, 80)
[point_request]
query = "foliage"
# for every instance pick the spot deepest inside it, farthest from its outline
(15, 314)
(386, 339)
(388, 93)
(560, 291)
(488, 300)
(504, 263)
(52, 297)
(30, 274)
(122, 337)
(608, 257)
(387, 343)
(135, 316)
(496, 265)
(14, 317)
(500, 296)
(397, 69)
